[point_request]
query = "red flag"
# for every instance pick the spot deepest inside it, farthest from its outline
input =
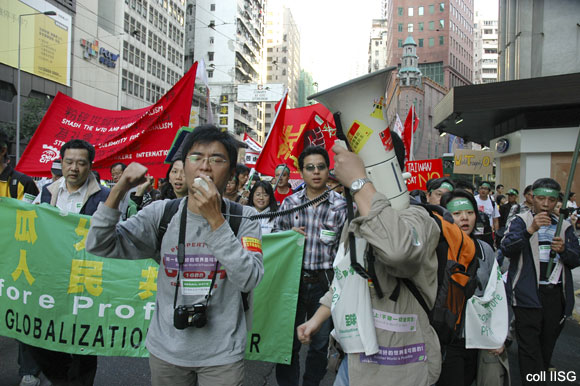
(143, 135)
(287, 132)
(412, 121)
(318, 132)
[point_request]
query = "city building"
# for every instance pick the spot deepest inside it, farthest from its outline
(485, 41)
(538, 38)
(306, 87)
(408, 87)
(443, 31)
(228, 37)
(378, 45)
(282, 43)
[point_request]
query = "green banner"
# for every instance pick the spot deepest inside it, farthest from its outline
(53, 294)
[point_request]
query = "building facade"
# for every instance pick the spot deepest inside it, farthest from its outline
(485, 48)
(378, 45)
(282, 43)
(443, 31)
(228, 37)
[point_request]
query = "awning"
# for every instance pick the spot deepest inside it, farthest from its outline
(479, 113)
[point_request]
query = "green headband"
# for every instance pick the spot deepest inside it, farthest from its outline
(485, 185)
(546, 192)
(446, 185)
(458, 204)
(284, 168)
(511, 191)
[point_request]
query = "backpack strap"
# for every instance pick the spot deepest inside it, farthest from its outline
(415, 291)
(169, 211)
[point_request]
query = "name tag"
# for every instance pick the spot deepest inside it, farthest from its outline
(327, 236)
(195, 286)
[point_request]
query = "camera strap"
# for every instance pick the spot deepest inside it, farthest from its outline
(181, 256)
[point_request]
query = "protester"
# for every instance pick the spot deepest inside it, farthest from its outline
(13, 183)
(572, 216)
(175, 187)
(419, 196)
(210, 353)
(117, 171)
(523, 207)
(21, 187)
(486, 205)
(262, 198)
(242, 175)
(541, 300)
(462, 366)
(144, 195)
(572, 201)
(404, 243)
(438, 187)
(231, 191)
(500, 199)
(504, 209)
(498, 192)
(321, 223)
(55, 174)
(464, 185)
(77, 192)
(283, 188)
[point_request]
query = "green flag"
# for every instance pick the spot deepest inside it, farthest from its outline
(55, 295)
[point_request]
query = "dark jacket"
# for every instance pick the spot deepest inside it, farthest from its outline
(524, 271)
(95, 193)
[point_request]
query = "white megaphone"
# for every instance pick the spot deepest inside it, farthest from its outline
(361, 102)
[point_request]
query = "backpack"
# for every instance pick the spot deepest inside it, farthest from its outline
(236, 210)
(457, 263)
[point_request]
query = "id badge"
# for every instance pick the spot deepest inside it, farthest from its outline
(555, 276)
(195, 287)
(327, 236)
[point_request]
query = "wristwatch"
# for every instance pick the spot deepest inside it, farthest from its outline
(358, 185)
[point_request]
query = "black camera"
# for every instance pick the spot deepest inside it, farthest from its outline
(188, 316)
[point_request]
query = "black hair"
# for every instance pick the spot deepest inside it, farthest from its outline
(241, 169)
(122, 165)
(498, 186)
(78, 144)
(464, 185)
(206, 134)
(437, 182)
(310, 150)
(549, 183)
(419, 195)
(256, 177)
(269, 191)
(498, 198)
(97, 175)
(4, 143)
(528, 189)
(167, 189)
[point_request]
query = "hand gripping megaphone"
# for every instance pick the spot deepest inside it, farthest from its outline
(360, 104)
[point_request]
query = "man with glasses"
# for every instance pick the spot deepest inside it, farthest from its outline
(198, 331)
(322, 224)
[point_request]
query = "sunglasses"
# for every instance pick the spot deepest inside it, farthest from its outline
(320, 167)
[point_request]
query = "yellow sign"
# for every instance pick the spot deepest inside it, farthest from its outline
(358, 135)
(473, 162)
(45, 41)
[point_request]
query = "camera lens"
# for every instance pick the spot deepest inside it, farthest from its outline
(180, 315)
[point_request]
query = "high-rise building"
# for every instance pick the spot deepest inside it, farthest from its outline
(228, 37)
(443, 31)
(538, 38)
(485, 44)
(282, 43)
(306, 87)
(378, 45)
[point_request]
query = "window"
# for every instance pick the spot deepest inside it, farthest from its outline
(211, 40)
(441, 40)
(212, 7)
(400, 27)
(400, 43)
(421, 10)
(210, 56)
(400, 11)
(441, 7)
(431, 42)
(210, 74)
(441, 23)
(431, 26)
(421, 26)
(431, 9)
(410, 11)
(420, 42)
(410, 27)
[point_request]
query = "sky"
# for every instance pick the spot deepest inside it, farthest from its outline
(334, 36)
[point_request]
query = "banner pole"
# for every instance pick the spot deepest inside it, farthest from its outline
(565, 201)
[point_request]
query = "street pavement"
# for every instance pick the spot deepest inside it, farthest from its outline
(122, 371)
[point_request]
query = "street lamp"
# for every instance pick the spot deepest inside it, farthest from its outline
(47, 13)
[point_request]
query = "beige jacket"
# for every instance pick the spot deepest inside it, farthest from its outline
(404, 246)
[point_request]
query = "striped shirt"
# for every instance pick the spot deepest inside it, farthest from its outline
(322, 224)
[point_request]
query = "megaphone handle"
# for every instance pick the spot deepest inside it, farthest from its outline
(339, 133)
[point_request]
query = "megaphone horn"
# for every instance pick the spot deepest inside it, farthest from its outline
(359, 105)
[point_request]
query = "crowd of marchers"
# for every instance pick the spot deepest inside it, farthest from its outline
(198, 332)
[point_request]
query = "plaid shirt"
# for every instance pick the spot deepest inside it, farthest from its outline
(322, 224)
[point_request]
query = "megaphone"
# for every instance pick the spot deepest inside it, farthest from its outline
(360, 104)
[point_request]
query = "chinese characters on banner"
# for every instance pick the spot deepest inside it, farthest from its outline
(142, 135)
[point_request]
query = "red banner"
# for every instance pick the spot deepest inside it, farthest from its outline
(423, 171)
(291, 132)
(142, 135)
